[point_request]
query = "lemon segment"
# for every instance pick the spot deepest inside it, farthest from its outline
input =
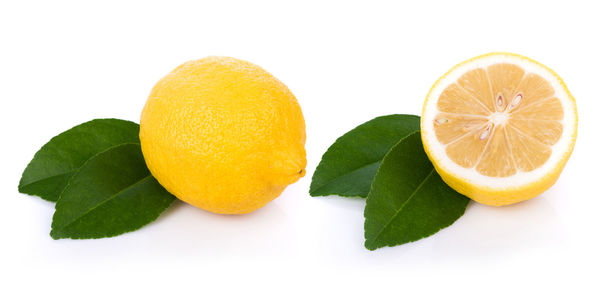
(499, 128)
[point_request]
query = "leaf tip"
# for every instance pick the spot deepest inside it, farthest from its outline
(55, 235)
(370, 246)
(314, 192)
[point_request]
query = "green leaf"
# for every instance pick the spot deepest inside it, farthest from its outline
(408, 199)
(52, 166)
(349, 165)
(111, 194)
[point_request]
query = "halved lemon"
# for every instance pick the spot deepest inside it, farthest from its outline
(499, 128)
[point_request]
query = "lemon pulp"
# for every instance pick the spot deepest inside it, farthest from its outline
(499, 127)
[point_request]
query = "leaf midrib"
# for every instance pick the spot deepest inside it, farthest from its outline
(402, 206)
(345, 175)
(102, 203)
(46, 178)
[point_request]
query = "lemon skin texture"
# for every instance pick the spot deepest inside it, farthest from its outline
(223, 134)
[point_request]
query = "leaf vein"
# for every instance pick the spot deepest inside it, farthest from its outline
(102, 203)
(44, 179)
(345, 175)
(417, 189)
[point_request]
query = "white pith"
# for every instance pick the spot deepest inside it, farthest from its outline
(470, 175)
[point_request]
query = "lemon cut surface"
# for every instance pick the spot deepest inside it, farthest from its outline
(499, 128)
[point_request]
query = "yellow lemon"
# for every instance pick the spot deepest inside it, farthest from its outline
(223, 134)
(499, 128)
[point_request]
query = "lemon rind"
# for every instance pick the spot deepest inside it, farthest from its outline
(502, 190)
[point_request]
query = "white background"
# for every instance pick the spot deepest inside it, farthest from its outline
(64, 63)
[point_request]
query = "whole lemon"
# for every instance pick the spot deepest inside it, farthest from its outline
(223, 134)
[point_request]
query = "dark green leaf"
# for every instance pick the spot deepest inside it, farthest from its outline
(111, 194)
(349, 165)
(52, 166)
(408, 199)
